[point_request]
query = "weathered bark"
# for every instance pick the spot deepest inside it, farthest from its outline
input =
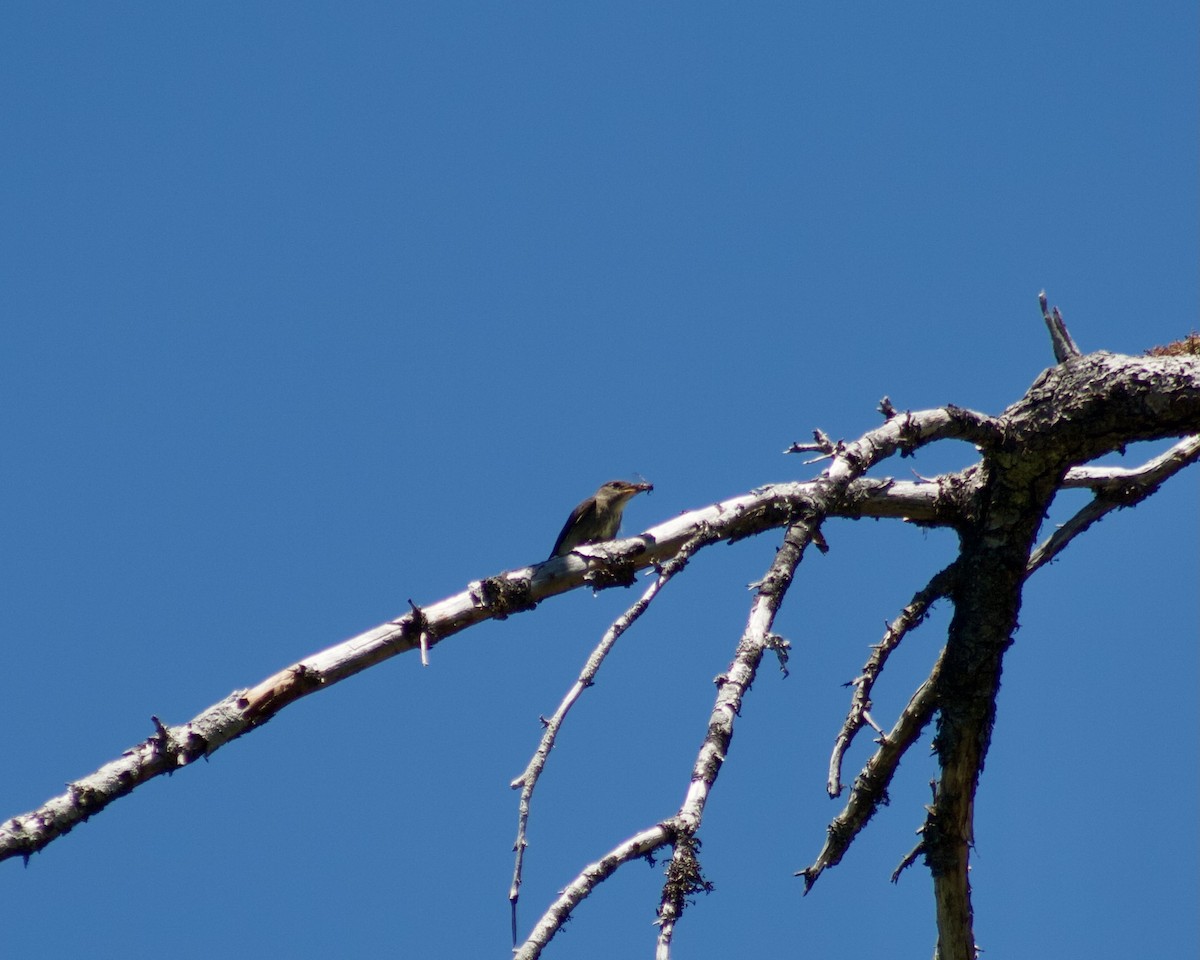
(1086, 407)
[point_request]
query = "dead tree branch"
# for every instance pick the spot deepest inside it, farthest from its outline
(1083, 408)
(527, 781)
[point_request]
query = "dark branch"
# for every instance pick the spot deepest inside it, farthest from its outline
(909, 619)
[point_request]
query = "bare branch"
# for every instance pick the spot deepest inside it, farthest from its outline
(1138, 483)
(849, 463)
(1115, 489)
(821, 444)
(908, 860)
(909, 619)
(636, 847)
(870, 786)
(527, 781)
(684, 880)
(1071, 414)
(1114, 480)
(732, 687)
(497, 597)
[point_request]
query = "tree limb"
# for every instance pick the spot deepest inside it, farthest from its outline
(514, 591)
(1073, 413)
(527, 781)
(909, 619)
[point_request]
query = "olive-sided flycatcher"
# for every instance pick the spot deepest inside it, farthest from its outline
(598, 518)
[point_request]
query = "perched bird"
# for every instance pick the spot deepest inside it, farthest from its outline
(599, 516)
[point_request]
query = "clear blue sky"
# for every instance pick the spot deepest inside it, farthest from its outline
(310, 308)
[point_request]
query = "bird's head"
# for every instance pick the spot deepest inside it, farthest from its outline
(618, 491)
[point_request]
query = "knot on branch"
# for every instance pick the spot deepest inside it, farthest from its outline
(872, 788)
(85, 797)
(612, 571)
(1125, 494)
(910, 435)
(163, 742)
(166, 744)
(504, 596)
(412, 625)
(684, 877)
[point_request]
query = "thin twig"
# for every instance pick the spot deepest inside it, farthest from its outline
(850, 462)
(527, 781)
(909, 859)
(1134, 484)
(870, 786)
(909, 619)
(1114, 479)
(732, 687)
(1116, 489)
(636, 847)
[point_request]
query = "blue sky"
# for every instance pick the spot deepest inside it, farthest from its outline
(310, 309)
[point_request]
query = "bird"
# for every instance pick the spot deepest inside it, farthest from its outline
(598, 518)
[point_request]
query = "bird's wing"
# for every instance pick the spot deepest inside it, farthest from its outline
(584, 511)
